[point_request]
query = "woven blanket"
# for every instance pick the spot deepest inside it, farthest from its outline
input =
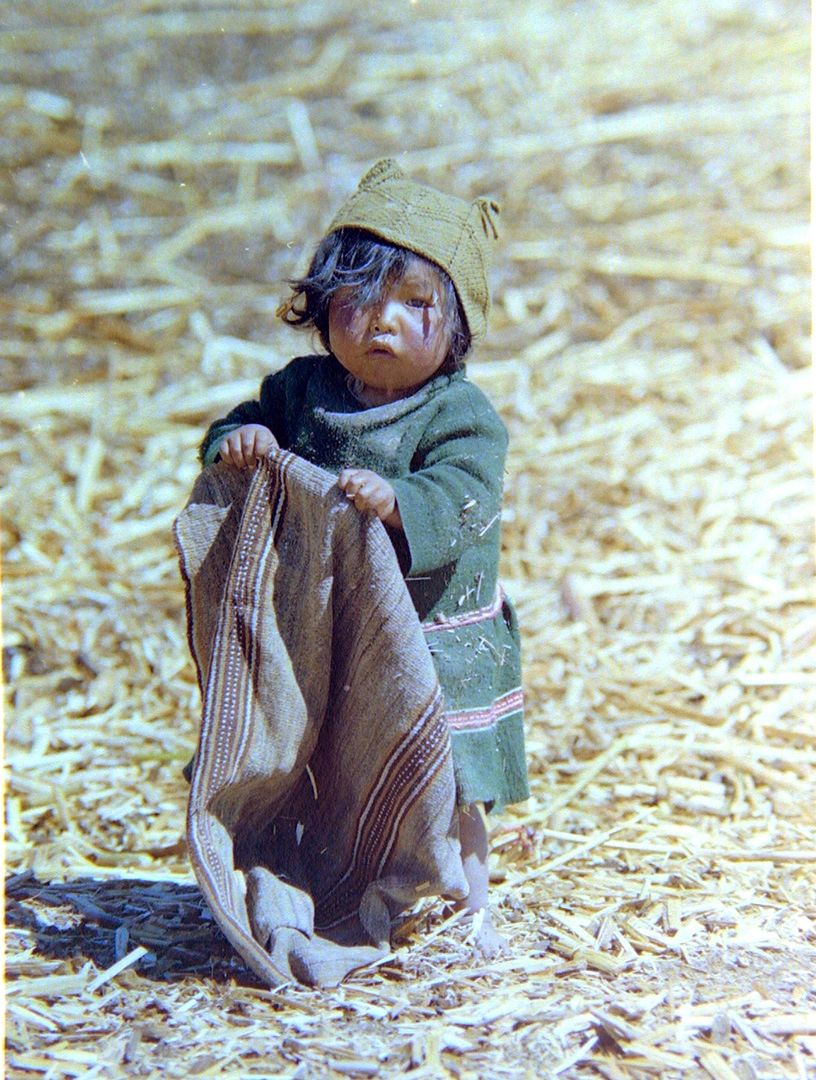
(322, 797)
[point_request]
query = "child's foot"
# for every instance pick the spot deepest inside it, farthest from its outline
(485, 939)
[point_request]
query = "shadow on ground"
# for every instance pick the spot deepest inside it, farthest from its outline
(104, 920)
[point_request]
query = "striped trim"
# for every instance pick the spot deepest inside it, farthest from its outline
(225, 898)
(234, 666)
(411, 766)
(468, 618)
(481, 719)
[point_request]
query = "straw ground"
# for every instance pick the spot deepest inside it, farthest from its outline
(167, 166)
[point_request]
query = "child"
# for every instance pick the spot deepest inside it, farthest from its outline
(397, 290)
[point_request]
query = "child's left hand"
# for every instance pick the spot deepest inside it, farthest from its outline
(368, 491)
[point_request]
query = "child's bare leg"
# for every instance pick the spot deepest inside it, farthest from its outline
(473, 838)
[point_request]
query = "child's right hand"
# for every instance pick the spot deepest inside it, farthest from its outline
(246, 445)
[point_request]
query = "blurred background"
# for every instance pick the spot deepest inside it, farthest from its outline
(166, 167)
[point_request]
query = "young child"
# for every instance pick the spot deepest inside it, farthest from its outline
(396, 291)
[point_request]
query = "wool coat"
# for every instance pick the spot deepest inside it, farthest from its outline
(442, 449)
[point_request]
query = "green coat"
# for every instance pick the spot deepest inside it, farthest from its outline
(443, 451)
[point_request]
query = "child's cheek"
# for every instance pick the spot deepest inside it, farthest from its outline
(427, 327)
(435, 333)
(342, 316)
(347, 319)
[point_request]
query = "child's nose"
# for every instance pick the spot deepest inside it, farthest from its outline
(384, 316)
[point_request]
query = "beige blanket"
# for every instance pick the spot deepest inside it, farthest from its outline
(322, 797)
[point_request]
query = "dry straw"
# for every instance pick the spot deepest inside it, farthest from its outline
(167, 166)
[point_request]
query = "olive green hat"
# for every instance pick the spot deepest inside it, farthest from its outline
(448, 231)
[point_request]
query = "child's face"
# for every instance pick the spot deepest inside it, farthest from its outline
(398, 343)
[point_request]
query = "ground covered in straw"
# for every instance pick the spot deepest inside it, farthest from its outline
(166, 166)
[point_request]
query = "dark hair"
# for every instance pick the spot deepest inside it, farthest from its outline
(354, 258)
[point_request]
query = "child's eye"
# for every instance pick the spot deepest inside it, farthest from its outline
(420, 302)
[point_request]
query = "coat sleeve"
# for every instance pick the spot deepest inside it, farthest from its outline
(452, 496)
(280, 399)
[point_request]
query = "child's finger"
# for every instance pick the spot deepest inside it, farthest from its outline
(252, 447)
(233, 452)
(226, 452)
(355, 486)
(262, 443)
(237, 453)
(349, 481)
(366, 504)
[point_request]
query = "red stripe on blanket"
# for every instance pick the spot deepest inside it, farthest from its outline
(412, 765)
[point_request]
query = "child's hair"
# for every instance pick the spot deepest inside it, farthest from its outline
(355, 258)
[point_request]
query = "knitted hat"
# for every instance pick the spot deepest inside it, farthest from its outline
(448, 231)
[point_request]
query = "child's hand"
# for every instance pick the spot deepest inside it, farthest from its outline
(368, 491)
(246, 445)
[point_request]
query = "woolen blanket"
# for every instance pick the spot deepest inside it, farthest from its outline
(322, 798)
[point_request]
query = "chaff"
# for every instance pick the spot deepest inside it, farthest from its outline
(169, 167)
